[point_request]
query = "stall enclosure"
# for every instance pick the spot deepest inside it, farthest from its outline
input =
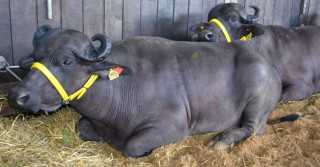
(121, 19)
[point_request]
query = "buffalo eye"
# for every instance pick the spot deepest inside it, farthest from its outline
(67, 62)
(234, 19)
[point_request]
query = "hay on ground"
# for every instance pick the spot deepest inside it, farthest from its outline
(52, 141)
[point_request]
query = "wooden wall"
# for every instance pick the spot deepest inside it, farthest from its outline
(121, 19)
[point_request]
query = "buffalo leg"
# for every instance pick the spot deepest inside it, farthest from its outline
(294, 92)
(143, 142)
(227, 138)
(87, 130)
(253, 122)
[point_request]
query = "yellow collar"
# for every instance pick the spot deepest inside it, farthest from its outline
(58, 86)
(223, 29)
(225, 32)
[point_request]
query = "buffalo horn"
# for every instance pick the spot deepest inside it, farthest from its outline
(251, 18)
(105, 45)
(257, 13)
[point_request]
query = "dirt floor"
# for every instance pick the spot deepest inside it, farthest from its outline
(52, 141)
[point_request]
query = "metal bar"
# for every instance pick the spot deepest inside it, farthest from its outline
(14, 67)
(12, 73)
(49, 9)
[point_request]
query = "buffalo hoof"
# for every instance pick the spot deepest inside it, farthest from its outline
(87, 131)
(125, 154)
(218, 146)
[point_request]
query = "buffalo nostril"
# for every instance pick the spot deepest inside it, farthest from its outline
(22, 99)
(209, 36)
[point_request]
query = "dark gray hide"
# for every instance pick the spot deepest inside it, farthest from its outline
(169, 90)
(293, 52)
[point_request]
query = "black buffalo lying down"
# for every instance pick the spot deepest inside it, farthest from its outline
(166, 91)
(293, 52)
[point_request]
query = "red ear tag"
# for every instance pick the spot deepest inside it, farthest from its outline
(118, 70)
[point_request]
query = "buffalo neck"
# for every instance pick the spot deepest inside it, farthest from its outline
(266, 46)
(92, 99)
(105, 100)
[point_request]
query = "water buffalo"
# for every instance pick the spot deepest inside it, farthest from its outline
(166, 90)
(293, 52)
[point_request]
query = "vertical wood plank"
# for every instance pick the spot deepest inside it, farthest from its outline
(317, 19)
(286, 16)
(180, 24)
(149, 12)
(72, 14)
(248, 3)
(5, 32)
(195, 14)
(312, 12)
(56, 14)
(5, 38)
(304, 10)
(295, 14)
(242, 2)
(268, 12)
(24, 24)
(261, 5)
(131, 18)
(113, 19)
(248, 8)
(93, 17)
(165, 18)
(231, 1)
(251, 10)
(220, 1)
(278, 12)
(207, 5)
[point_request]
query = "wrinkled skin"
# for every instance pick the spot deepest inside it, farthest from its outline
(293, 52)
(168, 90)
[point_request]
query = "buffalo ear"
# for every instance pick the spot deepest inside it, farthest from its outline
(102, 68)
(26, 62)
(252, 28)
(39, 33)
(199, 27)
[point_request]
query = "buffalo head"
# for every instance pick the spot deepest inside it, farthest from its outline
(233, 16)
(47, 39)
(70, 56)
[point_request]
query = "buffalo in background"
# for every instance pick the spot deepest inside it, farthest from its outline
(293, 52)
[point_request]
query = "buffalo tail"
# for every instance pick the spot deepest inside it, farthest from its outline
(291, 117)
